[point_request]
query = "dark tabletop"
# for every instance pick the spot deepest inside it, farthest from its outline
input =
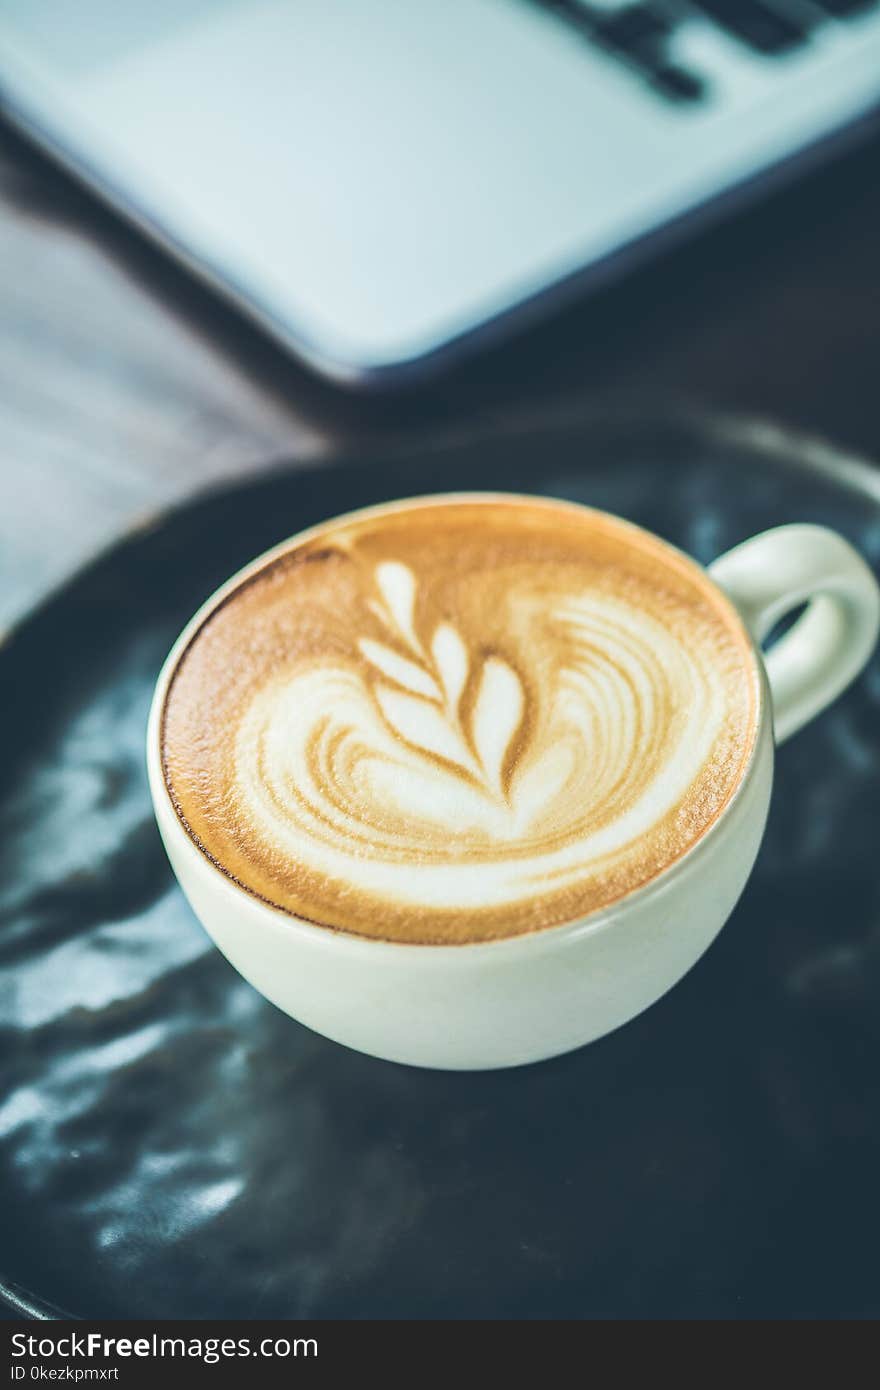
(123, 387)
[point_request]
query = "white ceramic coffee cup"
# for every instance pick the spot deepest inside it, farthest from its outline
(523, 998)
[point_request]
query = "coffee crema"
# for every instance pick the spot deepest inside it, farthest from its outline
(460, 719)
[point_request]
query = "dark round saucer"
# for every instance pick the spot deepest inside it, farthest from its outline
(172, 1145)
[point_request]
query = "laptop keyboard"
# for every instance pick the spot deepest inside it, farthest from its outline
(760, 26)
(640, 34)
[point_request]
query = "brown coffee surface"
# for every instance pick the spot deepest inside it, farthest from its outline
(460, 719)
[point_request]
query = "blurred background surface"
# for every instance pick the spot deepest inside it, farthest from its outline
(124, 387)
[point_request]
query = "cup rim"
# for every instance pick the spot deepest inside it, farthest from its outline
(337, 937)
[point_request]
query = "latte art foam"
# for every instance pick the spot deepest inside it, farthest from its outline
(458, 720)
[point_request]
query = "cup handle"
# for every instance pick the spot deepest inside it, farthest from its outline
(768, 576)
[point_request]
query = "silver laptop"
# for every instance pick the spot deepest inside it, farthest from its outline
(384, 185)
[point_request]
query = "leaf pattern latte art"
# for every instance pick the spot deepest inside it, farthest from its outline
(420, 694)
(426, 746)
(512, 710)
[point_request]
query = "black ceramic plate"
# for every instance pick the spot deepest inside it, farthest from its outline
(172, 1145)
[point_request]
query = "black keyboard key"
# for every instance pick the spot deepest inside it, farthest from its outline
(636, 34)
(632, 30)
(583, 15)
(678, 84)
(842, 9)
(758, 25)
